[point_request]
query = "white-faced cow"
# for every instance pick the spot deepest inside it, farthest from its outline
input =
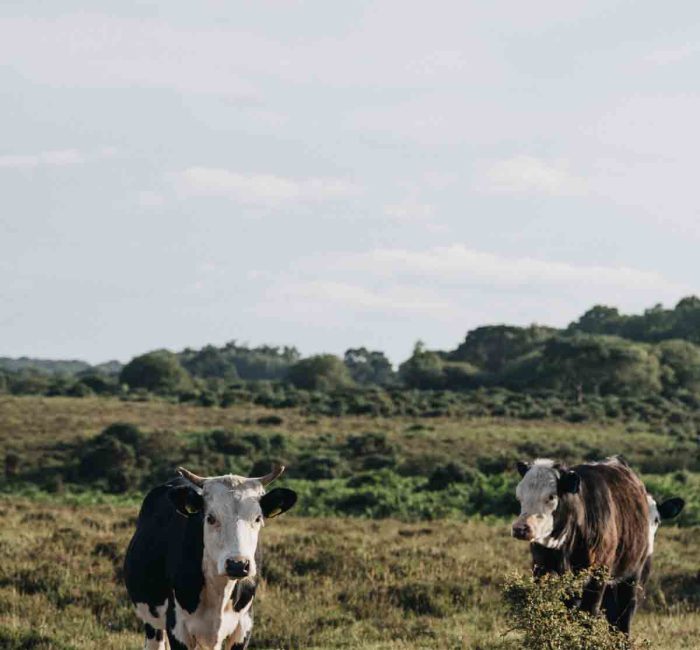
(616, 603)
(591, 515)
(192, 563)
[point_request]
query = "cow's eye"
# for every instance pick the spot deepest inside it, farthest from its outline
(552, 497)
(211, 519)
(258, 519)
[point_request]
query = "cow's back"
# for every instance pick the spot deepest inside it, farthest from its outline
(159, 528)
(615, 531)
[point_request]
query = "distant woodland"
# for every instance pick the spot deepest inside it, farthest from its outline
(604, 352)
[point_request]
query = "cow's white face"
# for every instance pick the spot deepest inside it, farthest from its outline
(538, 496)
(232, 521)
(231, 510)
(539, 492)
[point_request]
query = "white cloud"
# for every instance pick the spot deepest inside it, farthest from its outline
(263, 189)
(56, 158)
(447, 290)
(528, 175)
(673, 55)
(330, 296)
(466, 266)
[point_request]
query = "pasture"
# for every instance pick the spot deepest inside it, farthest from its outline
(329, 581)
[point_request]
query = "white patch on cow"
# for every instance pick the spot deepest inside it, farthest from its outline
(232, 522)
(214, 621)
(654, 521)
(144, 613)
(156, 622)
(537, 493)
(154, 644)
(245, 625)
(551, 542)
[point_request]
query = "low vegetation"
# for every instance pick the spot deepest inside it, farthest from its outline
(400, 537)
(538, 609)
(329, 583)
(407, 468)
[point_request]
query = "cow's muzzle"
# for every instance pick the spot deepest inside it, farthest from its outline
(521, 530)
(237, 567)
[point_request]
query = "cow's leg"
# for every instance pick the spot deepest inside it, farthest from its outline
(233, 644)
(592, 597)
(610, 604)
(153, 618)
(628, 597)
(176, 644)
(155, 639)
(178, 636)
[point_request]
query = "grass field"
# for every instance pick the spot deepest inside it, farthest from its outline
(329, 582)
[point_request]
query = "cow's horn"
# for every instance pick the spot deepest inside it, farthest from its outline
(192, 478)
(268, 478)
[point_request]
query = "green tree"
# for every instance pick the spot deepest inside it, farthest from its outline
(680, 362)
(369, 367)
(599, 364)
(158, 371)
(493, 346)
(599, 320)
(210, 362)
(423, 370)
(320, 372)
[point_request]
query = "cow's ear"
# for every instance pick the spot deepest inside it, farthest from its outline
(569, 482)
(522, 468)
(187, 500)
(670, 508)
(277, 501)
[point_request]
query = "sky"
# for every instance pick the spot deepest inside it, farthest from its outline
(339, 174)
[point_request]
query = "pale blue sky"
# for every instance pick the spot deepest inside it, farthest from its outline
(335, 174)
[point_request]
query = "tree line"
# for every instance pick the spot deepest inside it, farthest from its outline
(604, 352)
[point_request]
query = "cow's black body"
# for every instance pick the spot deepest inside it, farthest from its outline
(164, 558)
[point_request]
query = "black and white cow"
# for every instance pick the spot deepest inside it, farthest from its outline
(192, 563)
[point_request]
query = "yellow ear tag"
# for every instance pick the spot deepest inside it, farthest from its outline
(191, 510)
(274, 513)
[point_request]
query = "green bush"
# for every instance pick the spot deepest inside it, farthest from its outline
(540, 614)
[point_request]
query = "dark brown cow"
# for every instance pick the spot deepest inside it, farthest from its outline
(591, 515)
(615, 603)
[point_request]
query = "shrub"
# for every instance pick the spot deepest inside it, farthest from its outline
(539, 612)
(444, 475)
(270, 421)
(320, 372)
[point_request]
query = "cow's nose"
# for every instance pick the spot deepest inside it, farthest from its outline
(237, 567)
(521, 531)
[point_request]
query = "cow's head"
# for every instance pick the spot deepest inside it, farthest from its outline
(659, 512)
(233, 509)
(540, 491)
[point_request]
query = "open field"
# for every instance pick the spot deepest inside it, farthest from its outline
(36, 424)
(329, 583)
(399, 576)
